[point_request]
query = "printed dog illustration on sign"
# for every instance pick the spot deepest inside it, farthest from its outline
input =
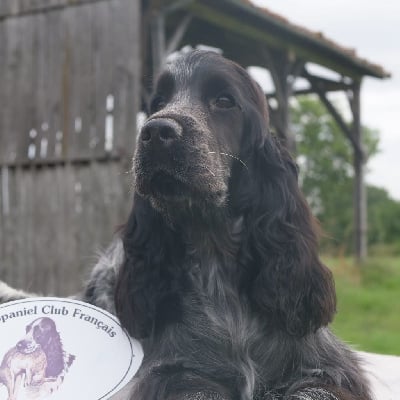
(37, 362)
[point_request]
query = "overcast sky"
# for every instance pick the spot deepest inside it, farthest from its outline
(373, 29)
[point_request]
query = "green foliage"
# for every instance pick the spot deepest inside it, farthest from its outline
(384, 221)
(325, 158)
(368, 297)
(368, 304)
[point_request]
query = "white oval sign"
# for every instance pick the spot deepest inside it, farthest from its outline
(59, 349)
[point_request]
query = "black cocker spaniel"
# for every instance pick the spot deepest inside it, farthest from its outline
(221, 278)
(217, 272)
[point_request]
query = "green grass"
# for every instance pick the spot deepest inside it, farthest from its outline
(368, 315)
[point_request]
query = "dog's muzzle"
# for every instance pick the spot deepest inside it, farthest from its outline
(26, 347)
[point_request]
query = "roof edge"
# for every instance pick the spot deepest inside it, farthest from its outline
(316, 38)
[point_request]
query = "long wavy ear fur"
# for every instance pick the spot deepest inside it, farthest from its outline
(149, 282)
(287, 280)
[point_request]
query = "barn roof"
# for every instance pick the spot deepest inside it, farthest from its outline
(241, 29)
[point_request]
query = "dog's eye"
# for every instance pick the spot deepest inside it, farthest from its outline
(225, 101)
(157, 104)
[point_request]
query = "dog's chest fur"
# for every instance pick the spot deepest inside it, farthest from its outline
(219, 315)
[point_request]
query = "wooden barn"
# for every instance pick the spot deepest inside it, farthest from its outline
(73, 76)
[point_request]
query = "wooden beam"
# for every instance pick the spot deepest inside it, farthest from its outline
(54, 161)
(157, 34)
(283, 68)
(296, 69)
(325, 82)
(360, 196)
(302, 92)
(159, 45)
(339, 120)
(13, 8)
(276, 62)
(354, 134)
(178, 35)
(318, 87)
(328, 85)
(178, 5)
(274, 119)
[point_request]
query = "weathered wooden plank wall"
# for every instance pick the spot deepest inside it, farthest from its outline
(64, 75)
(55, 220)
(69, 94)
(18, 7)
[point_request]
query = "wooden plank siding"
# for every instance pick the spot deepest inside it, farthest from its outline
(58, 220)
(69, 76)
(13, 8)
(60, 70)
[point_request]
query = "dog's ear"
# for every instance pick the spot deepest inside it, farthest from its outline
(288, 281)
(148, 283)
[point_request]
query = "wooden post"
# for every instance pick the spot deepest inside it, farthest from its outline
(360, 197)
(178, 35)
(354, 134)
(283, 69)
(157, 41)
(159, 45)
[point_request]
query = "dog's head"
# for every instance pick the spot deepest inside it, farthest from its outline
(206, 147)
(187, 146)
(38, 334)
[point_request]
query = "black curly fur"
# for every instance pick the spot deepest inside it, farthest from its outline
(221, 277)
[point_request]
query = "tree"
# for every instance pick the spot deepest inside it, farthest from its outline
(326, 168)
(384, 219)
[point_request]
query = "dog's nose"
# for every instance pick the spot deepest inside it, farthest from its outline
(161, 130)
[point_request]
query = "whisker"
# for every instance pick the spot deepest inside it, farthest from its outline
(209, 170)
(232, 156)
